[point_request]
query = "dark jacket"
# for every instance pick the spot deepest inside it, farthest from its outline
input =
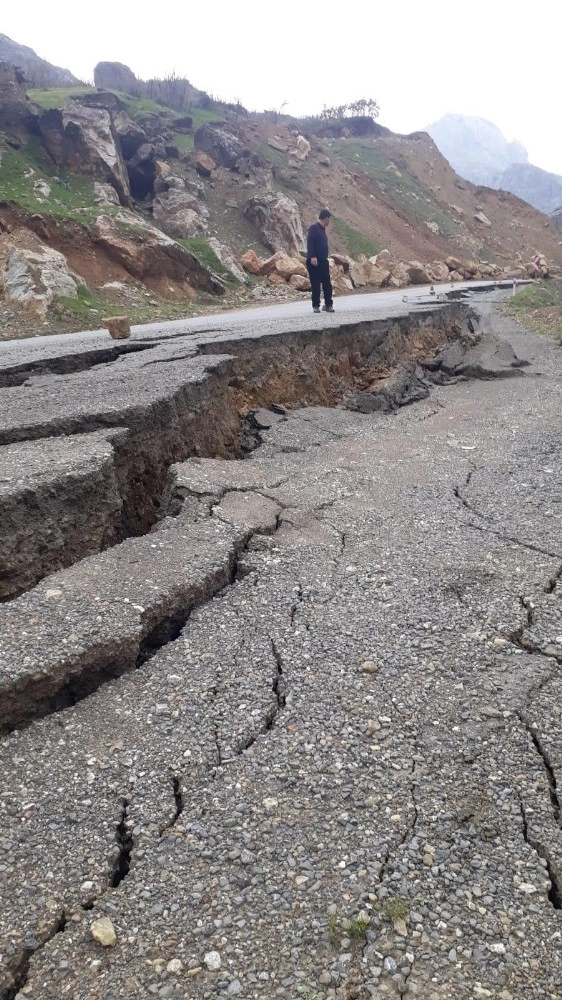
(317, 242)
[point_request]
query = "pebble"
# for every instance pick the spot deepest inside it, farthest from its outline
(369, 667)
(103, 932)
(212, 960)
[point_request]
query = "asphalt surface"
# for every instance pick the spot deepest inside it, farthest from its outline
(336, 769)
(258, 320)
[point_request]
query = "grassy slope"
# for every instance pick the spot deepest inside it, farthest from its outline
(539, 307)
(70, 197)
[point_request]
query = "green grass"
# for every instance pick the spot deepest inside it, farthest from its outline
(200, 117)
(272, 155)
(539, 307)
(71, 199)
(57, 97)
(356, 243)
(85, 304)
(198, 246)
(396, 908)
(354, 928)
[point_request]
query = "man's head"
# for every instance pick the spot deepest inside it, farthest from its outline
(324, 217)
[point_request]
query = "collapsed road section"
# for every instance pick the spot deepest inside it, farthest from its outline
(88, 444)
(288, 726)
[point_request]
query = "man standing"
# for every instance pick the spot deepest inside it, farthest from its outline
(317, 262)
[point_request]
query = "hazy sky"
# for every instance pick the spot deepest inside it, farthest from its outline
(418, 60)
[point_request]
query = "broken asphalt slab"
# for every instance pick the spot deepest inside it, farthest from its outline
(340, 775)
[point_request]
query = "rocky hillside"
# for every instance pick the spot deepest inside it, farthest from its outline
(110, 202)
(38, 72)
(478, 151)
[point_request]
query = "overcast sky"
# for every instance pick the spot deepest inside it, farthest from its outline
(417, 60)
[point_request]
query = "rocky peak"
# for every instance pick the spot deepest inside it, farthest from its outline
(38, 72)
(18, 116)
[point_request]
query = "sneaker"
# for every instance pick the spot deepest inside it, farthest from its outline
(328, 309)
(316, 309)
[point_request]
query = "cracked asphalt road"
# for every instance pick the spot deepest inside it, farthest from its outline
(343, 777)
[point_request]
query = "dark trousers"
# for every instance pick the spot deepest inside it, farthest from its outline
(320, 278)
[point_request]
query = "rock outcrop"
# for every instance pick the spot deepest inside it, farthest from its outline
(222, 144)
(141, 168)
(82, 140)
(18, 116)
(131, 136)
(180, 213)
(32, 274)
(146, 252)
(276, 218)
(227, 259)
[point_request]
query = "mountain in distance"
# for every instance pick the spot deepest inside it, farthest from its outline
(38, 72)
(479, 152)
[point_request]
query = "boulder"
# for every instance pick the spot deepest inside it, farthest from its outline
(342, 260)
(341, 284)
(357, 275)
(439, 271)
(220, 141)
(131, 136)
(289, 266)
(270, 264)
(203, 163)
(453, 263)
(374, 275)
(180, 214)
(227, 260)
(119, 327)
(482, 219)
(251, 262)
(399, 276)
(278, 144)
(146, 252)
(82, 140)
(18, 116)
(162, 172)
(103, 99)
(32, 274)
(117, 76)
(302, 149)
(105, 194)
(183, 124)
(418, 273)
(275, 278)
(277, 220)
(299, 282)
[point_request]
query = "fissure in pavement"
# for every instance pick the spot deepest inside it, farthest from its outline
(208, 413)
